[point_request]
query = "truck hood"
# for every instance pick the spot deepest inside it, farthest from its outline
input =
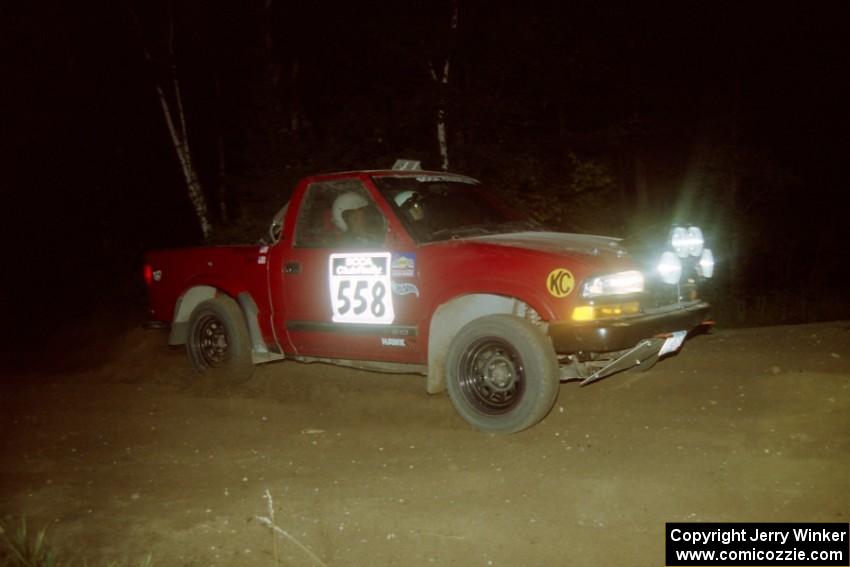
(557, 242)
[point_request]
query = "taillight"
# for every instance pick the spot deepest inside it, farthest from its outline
(148, 274)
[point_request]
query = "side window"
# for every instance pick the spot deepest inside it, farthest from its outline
(339, 214)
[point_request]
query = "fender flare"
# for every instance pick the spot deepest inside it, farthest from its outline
(450, 317)
(193, 296)
(186, 303)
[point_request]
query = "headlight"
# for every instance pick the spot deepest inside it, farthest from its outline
(705, 267)
(679, 241)
(687, 241)
(669, 268)
(613, 284)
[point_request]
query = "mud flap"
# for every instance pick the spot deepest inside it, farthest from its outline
(259, 349)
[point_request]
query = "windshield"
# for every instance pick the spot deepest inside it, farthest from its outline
(444, 207)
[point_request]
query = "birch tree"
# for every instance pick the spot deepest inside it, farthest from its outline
(174, 115)
(441, 81)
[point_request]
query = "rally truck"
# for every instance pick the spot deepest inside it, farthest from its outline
(423, 272)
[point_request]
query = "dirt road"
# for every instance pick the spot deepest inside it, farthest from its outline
(367, 469)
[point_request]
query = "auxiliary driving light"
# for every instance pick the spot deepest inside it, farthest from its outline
(669, 268)
(679, 241)
(686, 241)
(706, 263)
(695, 241)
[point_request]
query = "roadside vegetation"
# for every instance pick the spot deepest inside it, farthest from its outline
(21, 547)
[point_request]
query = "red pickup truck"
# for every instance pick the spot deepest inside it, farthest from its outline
(426, 272)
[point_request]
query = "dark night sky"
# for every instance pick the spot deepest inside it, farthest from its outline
(92, 178)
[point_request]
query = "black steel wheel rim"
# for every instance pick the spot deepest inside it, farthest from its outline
(211, 341)
(491, 376)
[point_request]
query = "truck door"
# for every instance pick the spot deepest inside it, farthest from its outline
(348, 290)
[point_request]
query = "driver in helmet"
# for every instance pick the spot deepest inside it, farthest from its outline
(410, 203)
(357, 218)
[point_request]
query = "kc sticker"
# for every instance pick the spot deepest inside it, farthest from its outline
(560, 282)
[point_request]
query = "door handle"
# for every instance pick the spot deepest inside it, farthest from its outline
(292, 268)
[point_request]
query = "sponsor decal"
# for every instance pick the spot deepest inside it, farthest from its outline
(560, 282)
(157, 275)
(403, 265)
(405, 289)
(358, 265)
(261, 260)
(264, 249)
(393, 341)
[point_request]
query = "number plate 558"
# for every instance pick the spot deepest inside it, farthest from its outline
(360, 288)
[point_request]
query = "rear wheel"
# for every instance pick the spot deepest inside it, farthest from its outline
(502, 374)
(218, 344)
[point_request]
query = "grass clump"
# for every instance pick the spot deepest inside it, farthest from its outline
(21, 548)
(269, 522)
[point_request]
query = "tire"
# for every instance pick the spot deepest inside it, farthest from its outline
(218, 343)
(502, 374)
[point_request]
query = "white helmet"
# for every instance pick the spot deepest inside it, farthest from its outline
(346, 202)
(402, 197)
(410, 201)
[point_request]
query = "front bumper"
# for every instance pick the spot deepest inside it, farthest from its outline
(624, 333)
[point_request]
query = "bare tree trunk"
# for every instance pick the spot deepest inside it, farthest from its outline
(734, 248)
(442, 82)
(641, 186)
(181, 142)
(222, 169)
(179, 138)
(271, 89)
(295, 103)
(193, 184)
(272, 67)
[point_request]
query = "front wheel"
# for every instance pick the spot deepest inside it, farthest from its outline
(502, 374)
(218, 344)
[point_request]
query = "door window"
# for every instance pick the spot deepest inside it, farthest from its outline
(339, 214)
